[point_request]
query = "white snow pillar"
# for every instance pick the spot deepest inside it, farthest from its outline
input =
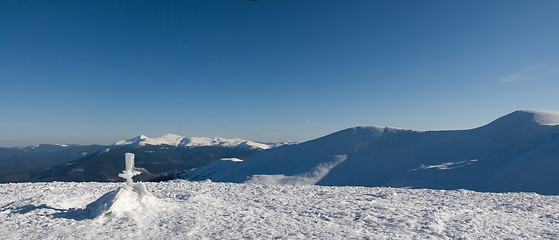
(129, 161)
(129, 171)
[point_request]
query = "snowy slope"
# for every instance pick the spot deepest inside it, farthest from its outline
(206, 210)
(544, 117)
(517, 152)
(179, 141)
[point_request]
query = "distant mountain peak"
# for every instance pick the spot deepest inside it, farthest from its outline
(132, 141)
(48, 147)
(526, 118)
(539, 116)
(180, 141)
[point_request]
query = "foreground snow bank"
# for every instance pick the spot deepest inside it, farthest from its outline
(207, 210)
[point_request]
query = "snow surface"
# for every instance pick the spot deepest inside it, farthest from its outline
(306, 178)
(209, 210)
(447, 166)
(180, 141)
(517, 152)
(231, 159)
(544, 117)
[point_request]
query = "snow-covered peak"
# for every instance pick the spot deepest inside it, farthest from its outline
(180, 141)
(542, 117)
(524, 119)
(132, 141)
(142, 140)
(167, 139)
(48, 147)
(222, 142)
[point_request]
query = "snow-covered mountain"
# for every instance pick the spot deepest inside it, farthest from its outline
(159, 158)
(47, 147)
(180, 141)
(517, 152)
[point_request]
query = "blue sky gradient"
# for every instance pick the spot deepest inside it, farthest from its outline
(99, 71)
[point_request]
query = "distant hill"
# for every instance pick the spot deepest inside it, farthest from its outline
(156, 158)
(517, 152)
(15, 161)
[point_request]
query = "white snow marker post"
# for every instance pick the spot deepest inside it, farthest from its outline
(131, 197)
(129, 171)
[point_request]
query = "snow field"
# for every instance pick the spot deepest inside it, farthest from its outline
(209, 210)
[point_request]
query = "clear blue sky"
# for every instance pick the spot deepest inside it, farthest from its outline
(99, 71)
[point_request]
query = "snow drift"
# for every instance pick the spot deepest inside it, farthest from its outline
(517, 152)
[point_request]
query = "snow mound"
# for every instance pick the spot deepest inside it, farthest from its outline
(132, 198)
(125, 200)
(179, 141)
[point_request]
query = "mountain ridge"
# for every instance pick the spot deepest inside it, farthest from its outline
(180, 141)
(516, 152)
(159, 157)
